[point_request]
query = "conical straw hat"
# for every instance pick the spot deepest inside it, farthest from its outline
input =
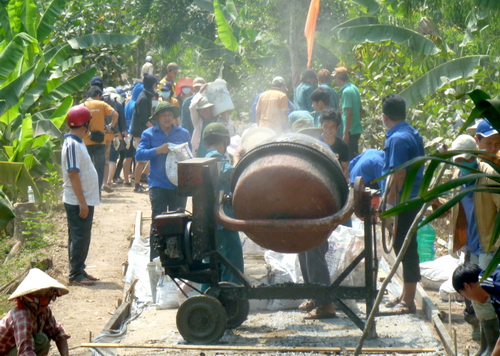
(37, 280)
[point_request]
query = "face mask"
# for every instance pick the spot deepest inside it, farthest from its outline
(155, 102)
(186, 90)
(165, 94)
(466, 171)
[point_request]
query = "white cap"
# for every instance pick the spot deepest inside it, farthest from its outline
(463, 143)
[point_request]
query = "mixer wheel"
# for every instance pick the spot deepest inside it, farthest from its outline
(201, 319)
(236, 309)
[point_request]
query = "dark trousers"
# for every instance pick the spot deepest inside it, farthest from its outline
(353, 145)
(162, 200)
(411, 262)
(79, 234)
(315, 269)
(98, 155)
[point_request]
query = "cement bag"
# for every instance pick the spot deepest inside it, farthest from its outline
(435, 273)
(447, 292)
(285, 268)
(178, 153)
(217, 94)
(345, 244)
(166, 293)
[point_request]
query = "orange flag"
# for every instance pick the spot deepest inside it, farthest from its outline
(310, 29)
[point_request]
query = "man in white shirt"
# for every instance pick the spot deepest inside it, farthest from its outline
(81, 193)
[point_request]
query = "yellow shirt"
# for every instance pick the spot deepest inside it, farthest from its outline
(99, 110)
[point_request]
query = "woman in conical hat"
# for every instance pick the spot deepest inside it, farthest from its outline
(29, 328)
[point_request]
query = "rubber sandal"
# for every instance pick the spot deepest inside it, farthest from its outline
(321, 312)
(403, 308)
(307, 305)
(392, 303)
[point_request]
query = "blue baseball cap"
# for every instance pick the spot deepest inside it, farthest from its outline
(167, 86)
(485, 129)
(97, 81)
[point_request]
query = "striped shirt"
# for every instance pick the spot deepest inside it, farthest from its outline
(75, 157)
(19, 325)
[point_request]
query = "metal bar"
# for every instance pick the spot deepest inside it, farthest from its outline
(355, 319)
(232, 268)
(388, 350)
(349, 268)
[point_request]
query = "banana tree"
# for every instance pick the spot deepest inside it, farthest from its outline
(6, 210)
(36, 82)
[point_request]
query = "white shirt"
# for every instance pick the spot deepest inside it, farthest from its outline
(75, 157)
(147, 68)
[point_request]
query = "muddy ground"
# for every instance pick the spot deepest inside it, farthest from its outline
(86, 310)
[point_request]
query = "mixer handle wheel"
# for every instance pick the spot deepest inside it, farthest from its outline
(201, 319)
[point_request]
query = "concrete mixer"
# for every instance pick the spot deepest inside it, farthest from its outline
(288, 195)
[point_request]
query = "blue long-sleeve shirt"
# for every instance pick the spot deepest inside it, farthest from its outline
(152, 138)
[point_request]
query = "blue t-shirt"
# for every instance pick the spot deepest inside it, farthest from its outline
(402, 144)
(152, 138)
(492, 286)
(334, 96)
(367, 165)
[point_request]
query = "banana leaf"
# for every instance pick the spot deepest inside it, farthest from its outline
(5, 24)
(224, 30)
(204, 4)
(430, 82)
(358, 21)
(57, 55)
(13, 91)
(16, 173)
(199, 41)
(69, 87)
(488, 4)
(30, 17)
(58, 117)
(231, 10)
(46, 127)
(6, 210)
(381, 33)
(11, 55)
(371, 5)
(51, 14)
(99, 39)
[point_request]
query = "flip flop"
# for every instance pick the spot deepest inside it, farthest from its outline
(307, 305)
(393, 302)
(403, 308)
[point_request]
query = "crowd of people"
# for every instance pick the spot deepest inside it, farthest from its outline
(113, 130)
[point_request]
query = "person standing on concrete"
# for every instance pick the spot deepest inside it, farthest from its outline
(216, 138)
(81, 193)
(141, 121)
(272, 107)
(351, 110)
(402, 144)
(153, 147)
(147, 68)
(302, 95)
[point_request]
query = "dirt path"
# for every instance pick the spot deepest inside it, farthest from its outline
(86, 310)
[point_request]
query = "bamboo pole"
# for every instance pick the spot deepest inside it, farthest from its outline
(258, 348)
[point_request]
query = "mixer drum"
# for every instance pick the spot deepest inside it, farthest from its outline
(291, 177)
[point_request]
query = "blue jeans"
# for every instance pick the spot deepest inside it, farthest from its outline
(98, 155)
(79, 234)
(161, 199)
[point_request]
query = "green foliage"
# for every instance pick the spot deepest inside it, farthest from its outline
(52, 193)
(6, 210)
